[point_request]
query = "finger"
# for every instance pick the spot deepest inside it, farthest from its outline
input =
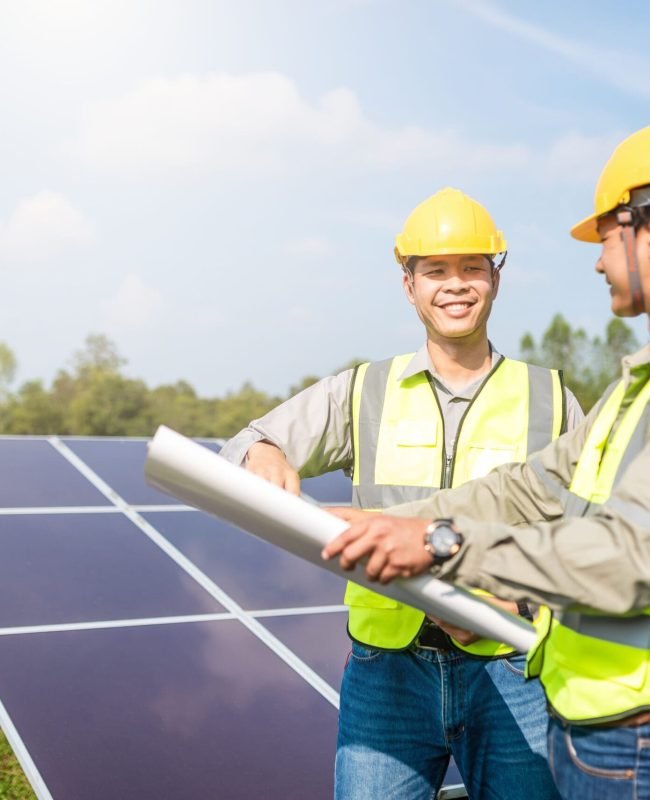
(389, 573)
(362, 547)
(275, 476)
(338, 544)
(270, 473)
(376, 563)
(292, 481)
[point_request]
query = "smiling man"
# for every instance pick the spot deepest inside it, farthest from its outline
(416, 691)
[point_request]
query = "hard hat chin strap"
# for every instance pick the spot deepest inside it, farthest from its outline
(625, 219)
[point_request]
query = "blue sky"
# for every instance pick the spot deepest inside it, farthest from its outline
(217, 185)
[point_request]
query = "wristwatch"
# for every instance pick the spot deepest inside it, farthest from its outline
(442, 540)
(524, 610)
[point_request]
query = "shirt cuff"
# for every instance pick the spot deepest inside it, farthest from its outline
(236, 449)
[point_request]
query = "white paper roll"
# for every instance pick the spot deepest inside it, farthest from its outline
(201, 478)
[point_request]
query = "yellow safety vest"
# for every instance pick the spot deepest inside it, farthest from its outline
(596, 668)
(400, 456)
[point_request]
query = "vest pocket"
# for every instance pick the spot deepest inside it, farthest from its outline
(408, 454)
(483, 459)
(416, 433)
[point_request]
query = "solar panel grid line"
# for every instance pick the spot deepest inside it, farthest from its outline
(18, 630)
(262, 633)
(25, 760)
(150, 509)
(31, 510)
(301, 610)
(141, 509)
(22, 511)
(60, 627)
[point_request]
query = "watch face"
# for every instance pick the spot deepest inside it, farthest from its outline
(443, 540)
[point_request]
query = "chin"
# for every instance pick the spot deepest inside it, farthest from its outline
(623, 310)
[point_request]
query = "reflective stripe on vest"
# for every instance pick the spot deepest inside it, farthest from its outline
(399, 456)
(596, 668)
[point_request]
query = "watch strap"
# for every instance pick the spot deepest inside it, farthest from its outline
(523, 609)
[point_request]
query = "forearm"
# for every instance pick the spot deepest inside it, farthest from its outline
(601, 561)
(542, 564)
(312, 429)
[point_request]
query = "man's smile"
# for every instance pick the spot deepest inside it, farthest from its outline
(456, 307)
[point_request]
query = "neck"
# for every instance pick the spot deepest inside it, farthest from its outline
(458, 361)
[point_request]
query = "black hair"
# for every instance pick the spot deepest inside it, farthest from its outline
(641, 217)
(411, 263)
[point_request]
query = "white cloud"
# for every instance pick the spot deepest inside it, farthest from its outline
(621, 69)
(259, 123)
(133, 307)
(43, 228)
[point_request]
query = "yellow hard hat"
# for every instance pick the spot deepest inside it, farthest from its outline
(627, 169)
(448, 223)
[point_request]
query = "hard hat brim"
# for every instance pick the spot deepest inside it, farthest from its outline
(587, 230)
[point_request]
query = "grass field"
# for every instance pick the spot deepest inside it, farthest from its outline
(13, 783)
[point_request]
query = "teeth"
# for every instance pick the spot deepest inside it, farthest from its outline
(457, 306)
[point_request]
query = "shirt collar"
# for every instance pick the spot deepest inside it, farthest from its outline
(636, 364)
(421, 362)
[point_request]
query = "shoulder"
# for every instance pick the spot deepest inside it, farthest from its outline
(574, 413)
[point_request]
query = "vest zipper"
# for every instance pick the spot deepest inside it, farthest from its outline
(446, 481)
(449, 462)
(446, 460)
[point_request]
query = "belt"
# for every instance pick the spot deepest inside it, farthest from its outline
(641, 718)
(431, 637)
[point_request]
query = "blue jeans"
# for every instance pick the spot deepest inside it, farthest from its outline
(600, 763)
(404, 714)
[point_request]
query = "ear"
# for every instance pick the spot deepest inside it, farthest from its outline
(407, 283)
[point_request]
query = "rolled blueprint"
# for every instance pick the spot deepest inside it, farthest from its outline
(201, 478)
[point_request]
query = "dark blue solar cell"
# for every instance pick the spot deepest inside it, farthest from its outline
(333, 487)
(120, 463)
(190, 712)
(321, 640)
(256, 574)
(81, 567)
(32, 473)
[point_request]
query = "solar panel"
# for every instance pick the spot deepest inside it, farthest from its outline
(58, 568)
(256, 574)
(150, 651)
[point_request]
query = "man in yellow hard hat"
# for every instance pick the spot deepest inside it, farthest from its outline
(586, 499)
(415, 692)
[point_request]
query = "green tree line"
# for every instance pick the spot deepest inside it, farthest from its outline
(589, 364)
(93, 396)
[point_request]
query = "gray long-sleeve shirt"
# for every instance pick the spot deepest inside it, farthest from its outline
(601, 561)
(313, 428)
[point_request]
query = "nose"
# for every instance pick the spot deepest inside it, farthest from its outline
(455, 284)
(599, 266)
